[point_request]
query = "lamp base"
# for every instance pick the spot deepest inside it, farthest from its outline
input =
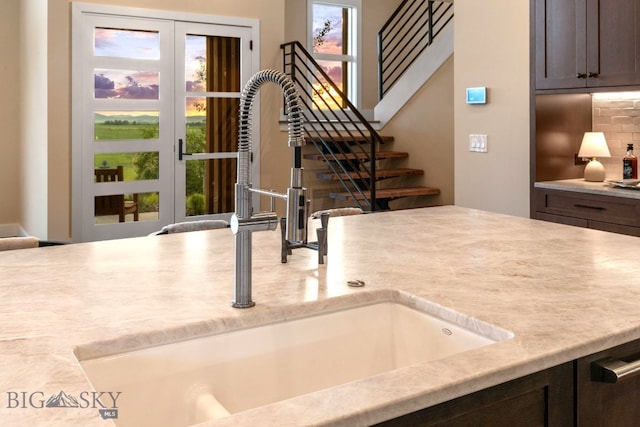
(594, 171)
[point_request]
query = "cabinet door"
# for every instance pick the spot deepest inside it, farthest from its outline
(560, 28)
(543, 399)
(606, 404)
(613, 42)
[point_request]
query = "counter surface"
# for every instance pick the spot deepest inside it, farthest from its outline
(582, 186)
(565, 292)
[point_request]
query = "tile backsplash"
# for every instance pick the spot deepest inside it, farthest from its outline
(618, 116)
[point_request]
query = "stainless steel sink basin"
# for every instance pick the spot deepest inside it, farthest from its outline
(190, 381)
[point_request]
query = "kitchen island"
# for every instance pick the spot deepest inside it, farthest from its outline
(564, 292)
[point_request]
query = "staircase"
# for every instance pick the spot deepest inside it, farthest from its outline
(356, 166)
(370, 174)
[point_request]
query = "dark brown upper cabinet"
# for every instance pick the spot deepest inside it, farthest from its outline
(587, 43)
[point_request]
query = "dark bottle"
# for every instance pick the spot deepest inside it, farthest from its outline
(630, 164)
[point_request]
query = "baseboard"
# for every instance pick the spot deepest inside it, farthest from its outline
(11, 230)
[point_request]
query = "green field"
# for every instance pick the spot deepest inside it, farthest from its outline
(113, 160)
(147, 167)
(122, 131)
(110, 132)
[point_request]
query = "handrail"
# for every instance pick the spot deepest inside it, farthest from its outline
(406, 34)
(333, 123)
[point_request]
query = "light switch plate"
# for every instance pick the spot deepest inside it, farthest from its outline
(478, 143)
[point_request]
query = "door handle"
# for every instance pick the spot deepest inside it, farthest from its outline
(612, 370)
(180, 153)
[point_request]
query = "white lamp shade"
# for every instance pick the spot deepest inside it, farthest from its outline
(594, 145)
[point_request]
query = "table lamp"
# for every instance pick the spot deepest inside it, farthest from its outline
(594, 145)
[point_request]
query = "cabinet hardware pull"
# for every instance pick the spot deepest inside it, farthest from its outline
(593, 74)
(612, 370)
(599, 208)
(581, 75)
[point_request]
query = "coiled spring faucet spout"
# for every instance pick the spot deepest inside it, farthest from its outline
(244, 221)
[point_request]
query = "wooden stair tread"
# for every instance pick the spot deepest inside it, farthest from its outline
(346, 138)
(388, 193)
(357, 156)
(380, 173)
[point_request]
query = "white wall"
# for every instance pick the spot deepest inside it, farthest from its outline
(491, 46)
(9, 117)
(424, 128)
(33, 121)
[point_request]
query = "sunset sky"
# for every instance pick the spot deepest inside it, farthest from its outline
(333, 40)
(127, 43)
(145, 45)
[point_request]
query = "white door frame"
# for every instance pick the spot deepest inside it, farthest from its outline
(83, 188)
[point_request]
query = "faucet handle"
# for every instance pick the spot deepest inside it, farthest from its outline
(260, 221)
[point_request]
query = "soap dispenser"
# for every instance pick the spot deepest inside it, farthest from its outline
(630, 164)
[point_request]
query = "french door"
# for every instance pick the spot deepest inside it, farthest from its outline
(155, 119)
(207, 112)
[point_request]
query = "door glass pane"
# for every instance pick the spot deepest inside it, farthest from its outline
(203, 73)
(196, 109)
(212, 127)
(212, 124)
(126, 84)
(126, 125)
(121, 43)
(135, 166)
(210, 186)
(212, 64)
(118, 208)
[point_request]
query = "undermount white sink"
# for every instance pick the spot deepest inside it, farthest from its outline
(191, 381)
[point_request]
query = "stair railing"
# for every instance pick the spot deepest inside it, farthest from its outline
(332, 124)
(406, 34)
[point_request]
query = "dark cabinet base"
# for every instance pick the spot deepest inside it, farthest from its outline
(607, 213)
(608, 404)
(541, 399)
(572, 394)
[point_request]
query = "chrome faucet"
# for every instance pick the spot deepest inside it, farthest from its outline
(244, 221)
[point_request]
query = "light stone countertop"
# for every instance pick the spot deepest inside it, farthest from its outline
(582, 186)
(565, 292)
